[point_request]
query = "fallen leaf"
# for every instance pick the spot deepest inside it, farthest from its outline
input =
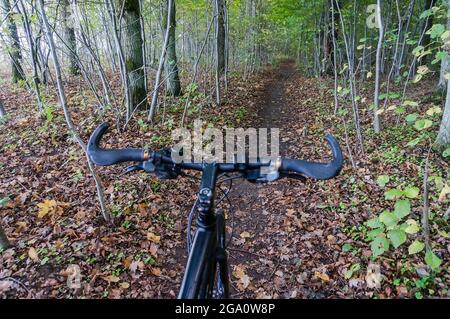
(154, 250)
(373, 276)
(244, 280)
(46, 207)
(322, 276)
(156, 272)
(154, 238)
(33, 254)
(111, 278)
(124, 285)
(245, 234)
(127, 262)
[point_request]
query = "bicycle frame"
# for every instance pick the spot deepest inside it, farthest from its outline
(207, 248)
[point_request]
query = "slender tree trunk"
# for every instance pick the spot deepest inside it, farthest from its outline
(14, 44)
(68, 117)
(352, 79)
(152, 111)
(445, 62)
(144, 44)
(426, 26)
(220, 35)
(171, 62)
(69, 37)
(376, 118)
(443, 138)
(333, 36)
(218, 49)
(33, 56)
(404, 39)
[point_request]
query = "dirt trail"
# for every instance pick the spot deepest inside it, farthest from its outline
(261, 208)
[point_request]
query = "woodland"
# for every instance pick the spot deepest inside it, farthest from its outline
(374, 73)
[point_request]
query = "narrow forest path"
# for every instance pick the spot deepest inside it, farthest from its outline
(272, 252)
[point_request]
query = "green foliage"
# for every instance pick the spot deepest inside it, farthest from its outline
(446, 153)
(432, 260)
(382, 180)
(4, 201)
(353, 269)
(416, 247)
(388, 228)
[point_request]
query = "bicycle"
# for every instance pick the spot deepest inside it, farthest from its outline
(206, 274)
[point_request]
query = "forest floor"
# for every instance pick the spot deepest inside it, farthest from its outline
(290, 239)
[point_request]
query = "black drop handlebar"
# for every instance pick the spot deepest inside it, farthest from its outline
(321, 171)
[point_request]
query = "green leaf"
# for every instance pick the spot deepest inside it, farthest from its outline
(416, 247)
(400, 110)
(393, 193)
(446, 152)
(417, 50)
(432, 260)
(426, 14)
(354, 268)
(402, 208)
(371, 235)
(379, 245)
(410, 103)
(388, 218)
(414, 142)
(382, 180)
(4, 201)
(436, 30)
(411, 118)
(374, 223)
(347, 247)
(411, 192)
(440, 56)
(423, 124)
(397, 237)
(412, 227)
(445, 35)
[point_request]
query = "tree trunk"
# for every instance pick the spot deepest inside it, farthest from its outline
(14, 45)
(220, 39)
(171, 63)
(133, 52)
(154, 103)
(69, 37)
(443, 138)
(326, 40)
(376, 119)
(68, 117)
(335, 67)
(426, 26)
(32, 45)
(445, 62)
